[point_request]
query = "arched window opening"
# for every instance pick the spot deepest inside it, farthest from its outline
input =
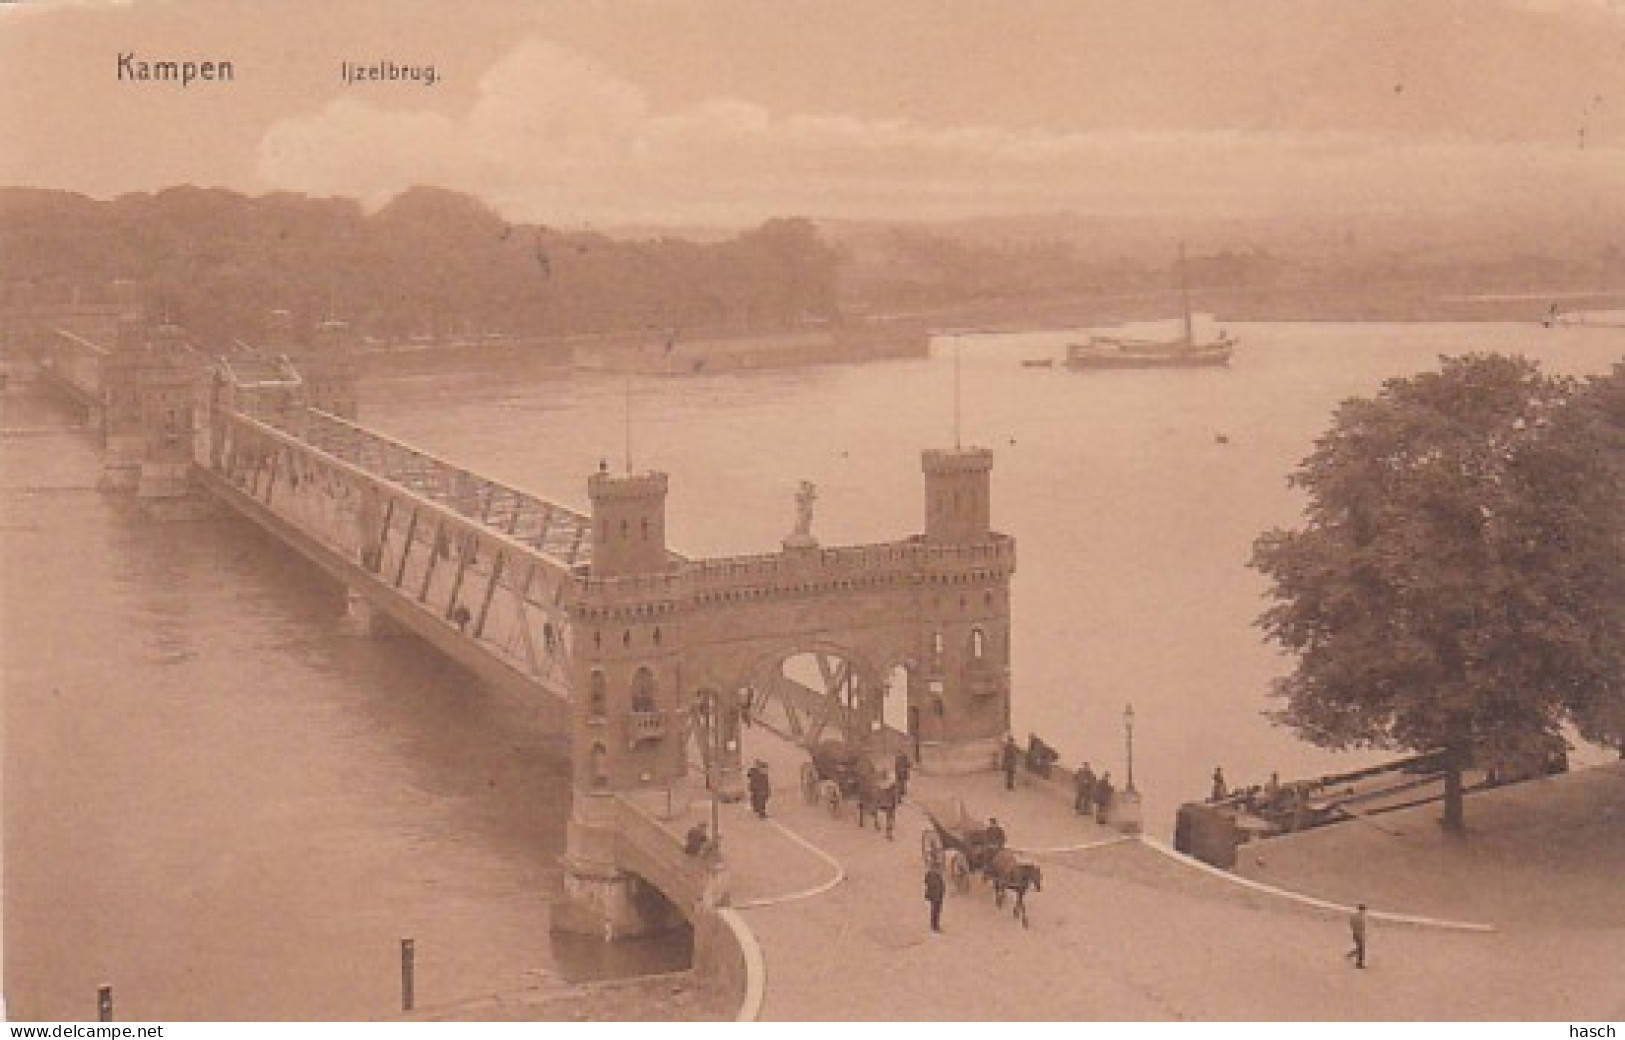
(597, 695)
(978, 644)
(600, 766)
(643, 690)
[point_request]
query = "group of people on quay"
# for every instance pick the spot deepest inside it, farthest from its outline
(1091, 793)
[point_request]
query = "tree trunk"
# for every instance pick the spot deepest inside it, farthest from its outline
(1455, 818)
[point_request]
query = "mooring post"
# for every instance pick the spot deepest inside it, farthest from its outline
(104, 1004)
(408, 969)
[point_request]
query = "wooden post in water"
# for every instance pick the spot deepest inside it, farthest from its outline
(408, 969)
(104, 1004)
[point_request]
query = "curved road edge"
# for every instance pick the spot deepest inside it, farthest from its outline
(1322, 904)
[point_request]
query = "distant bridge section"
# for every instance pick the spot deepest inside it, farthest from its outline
(74, 365)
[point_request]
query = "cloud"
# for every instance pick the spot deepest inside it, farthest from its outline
(550, 137)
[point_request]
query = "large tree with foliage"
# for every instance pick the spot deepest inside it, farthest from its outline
(1457, 584)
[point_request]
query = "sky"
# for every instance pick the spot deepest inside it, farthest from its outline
(591, 112)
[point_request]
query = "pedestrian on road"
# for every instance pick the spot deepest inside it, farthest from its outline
(1083, 799)
(902, 766)
(1357, 923)
(1009, 755)
(1103, 796)
(935, 890)
(760, 788)
(698, 839)
(1220, 790)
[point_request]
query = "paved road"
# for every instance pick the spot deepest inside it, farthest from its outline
(1120, 931)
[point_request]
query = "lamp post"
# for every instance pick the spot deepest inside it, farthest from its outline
(714, 713)
(1128, 740)
(1129, 817)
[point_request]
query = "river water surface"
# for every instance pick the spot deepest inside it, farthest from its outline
(221, 804)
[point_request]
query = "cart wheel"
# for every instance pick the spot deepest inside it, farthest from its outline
(832, 798)
(931, 848)
(959, 871)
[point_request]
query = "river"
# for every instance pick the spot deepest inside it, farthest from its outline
(220, 803)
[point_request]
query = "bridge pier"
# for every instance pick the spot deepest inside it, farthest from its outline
(601, 899)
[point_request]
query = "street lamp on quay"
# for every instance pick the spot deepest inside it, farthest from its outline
(1128, 740)
(1129, 801)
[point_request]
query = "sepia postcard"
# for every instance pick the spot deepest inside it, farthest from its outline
(861, 510)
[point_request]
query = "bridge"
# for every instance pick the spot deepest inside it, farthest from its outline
(654, 659)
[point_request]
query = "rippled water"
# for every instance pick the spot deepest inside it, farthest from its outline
(226, 808)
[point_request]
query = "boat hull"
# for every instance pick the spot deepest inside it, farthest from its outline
(1103, 356)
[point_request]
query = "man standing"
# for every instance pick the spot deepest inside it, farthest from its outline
(760, 789)
(697, 840)
(935, 890)
(1083, 798)
(1009, 755)
(1103, 796)
(994, 834)
(902, 765)
(1357, 923)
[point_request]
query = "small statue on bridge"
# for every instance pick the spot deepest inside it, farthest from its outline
(801, 537)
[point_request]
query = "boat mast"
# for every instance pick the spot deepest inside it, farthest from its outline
(1184, 296)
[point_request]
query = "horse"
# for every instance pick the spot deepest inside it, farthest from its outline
(875, 799)
(1010, 874)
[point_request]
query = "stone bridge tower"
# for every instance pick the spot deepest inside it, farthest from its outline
(627, 722)
(959, 695)
(150, 388)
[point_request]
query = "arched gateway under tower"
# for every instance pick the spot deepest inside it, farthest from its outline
(667, 652)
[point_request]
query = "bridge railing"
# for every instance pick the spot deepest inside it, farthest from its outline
(547, 527)
(485, 584)
(864, 564)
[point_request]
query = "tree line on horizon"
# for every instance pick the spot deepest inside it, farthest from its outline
(434, 264)
(430, 264)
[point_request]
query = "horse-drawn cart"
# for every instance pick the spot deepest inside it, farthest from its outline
(962, 848)
(840, 772)
(835, 774)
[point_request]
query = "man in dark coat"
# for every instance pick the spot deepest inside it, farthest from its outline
(698, 839)
(994, 834)
(760, 789)
(1357, 923)
(1103, 796)
(902, 766)
(935, 890)
(1009, 755)
(1083, 799)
